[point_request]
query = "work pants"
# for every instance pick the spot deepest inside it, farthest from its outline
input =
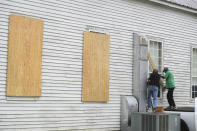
(170, 97)
(152, 92)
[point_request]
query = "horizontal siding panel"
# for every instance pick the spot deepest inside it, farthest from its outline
(171, 22)
(92, 7)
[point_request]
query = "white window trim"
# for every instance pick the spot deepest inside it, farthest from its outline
(97, 30)
(151, 38)
(191, 57)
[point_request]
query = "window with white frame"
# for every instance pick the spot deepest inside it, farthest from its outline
(155, 49)
(194, 72)
(156, 52)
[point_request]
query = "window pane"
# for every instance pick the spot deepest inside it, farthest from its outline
(156, 60)
(156, 45)
(193, 94)
(151, 52)
(194, 51)
(194, 81)
(194, 58)
(160, 53)
(194, 91)
(160, 45)
(195, 88)
(160, 62)
(194, 62)
(193, 65)
(156, 53)
(151, 44)
(195, 72)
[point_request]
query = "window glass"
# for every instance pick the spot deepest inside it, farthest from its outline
(194, 72)
(155, 49)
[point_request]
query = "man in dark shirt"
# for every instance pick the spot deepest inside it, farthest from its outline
(153, 85)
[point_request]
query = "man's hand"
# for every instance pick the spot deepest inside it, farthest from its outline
(164, 88)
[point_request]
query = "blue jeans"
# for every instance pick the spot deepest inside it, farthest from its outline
(152, 91)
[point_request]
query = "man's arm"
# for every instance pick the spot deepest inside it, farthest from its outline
(162, 76)
(166, 75)
(149, 79)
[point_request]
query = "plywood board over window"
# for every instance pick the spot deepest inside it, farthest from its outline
(24, 56)
(95, 67)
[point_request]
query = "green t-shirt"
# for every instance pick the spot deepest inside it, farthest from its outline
(169, 80)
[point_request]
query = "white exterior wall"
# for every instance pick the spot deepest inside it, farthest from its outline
(60, 106)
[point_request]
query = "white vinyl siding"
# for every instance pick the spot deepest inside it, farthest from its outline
(60, 106)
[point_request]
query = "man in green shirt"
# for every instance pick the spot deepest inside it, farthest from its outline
(170, 86)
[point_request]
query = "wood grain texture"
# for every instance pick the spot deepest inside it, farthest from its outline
(24, 56)
(151, 61)
(95, 67)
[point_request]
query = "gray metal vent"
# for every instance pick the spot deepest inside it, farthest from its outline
(155, 122)
(128, 104)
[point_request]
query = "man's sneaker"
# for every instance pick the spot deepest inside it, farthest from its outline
(149, 110)
(173, 108)
(169, 108)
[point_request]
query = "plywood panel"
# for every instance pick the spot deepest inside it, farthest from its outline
(24, 56)
(95, 67)
(151, 61)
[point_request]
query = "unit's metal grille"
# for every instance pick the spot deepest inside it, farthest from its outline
(163, 123)
(154, 123)
(148, 123)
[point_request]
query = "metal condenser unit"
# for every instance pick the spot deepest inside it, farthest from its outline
(143, 121)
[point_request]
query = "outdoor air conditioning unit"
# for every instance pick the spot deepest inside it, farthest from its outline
(143, 121)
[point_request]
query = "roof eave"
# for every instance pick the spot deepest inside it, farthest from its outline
(180, 7)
